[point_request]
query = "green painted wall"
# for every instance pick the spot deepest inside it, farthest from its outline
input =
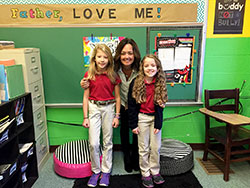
(227, 64)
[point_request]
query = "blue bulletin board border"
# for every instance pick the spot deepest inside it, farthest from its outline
(200, 16)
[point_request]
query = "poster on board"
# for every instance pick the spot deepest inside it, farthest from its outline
(176, 55)
(89, 44)
(229, 16)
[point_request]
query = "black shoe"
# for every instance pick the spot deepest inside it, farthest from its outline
(128, 168)
(136, 167)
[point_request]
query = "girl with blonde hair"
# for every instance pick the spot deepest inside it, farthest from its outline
(99, 106)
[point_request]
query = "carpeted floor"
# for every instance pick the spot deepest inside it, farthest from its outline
(187, 180)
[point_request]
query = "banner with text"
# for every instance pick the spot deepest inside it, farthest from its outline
(96, 14)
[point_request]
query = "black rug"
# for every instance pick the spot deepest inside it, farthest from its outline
(187, 180)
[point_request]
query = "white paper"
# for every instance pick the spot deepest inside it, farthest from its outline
(182, 57)
(24, 147)
(5, 125)
(166, 55)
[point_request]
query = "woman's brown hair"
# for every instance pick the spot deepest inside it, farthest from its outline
(137, 55)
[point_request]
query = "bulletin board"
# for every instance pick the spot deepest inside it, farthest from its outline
(62, 56)
(183, 45)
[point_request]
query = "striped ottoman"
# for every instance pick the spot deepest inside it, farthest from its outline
(72, 159)
(176, 157)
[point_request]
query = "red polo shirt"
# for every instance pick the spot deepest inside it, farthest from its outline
(101, 89)
(148, 106)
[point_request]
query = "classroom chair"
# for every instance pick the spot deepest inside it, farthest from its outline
(223, 106)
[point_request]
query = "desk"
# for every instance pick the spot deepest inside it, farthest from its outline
(232, 119)
(231, 135)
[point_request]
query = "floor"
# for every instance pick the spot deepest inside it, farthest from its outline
(240, 178)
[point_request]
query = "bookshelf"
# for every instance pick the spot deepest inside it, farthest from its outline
(18, 161)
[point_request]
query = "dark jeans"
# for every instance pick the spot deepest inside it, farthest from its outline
(130, 151)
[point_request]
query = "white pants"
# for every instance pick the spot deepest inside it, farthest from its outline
(101, 117)
(149, 146)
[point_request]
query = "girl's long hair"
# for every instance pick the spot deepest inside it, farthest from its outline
(135, 65)
(139, 89)
(110, 66)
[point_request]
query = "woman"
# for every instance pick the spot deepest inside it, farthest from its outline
(127, 60)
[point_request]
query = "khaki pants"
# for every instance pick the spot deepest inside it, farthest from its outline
(101, 117)
(149, 146)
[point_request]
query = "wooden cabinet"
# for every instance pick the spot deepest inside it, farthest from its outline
(29, 58)
(18, 160)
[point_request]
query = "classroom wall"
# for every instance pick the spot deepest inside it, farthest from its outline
(227, 58)
(226, 65)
